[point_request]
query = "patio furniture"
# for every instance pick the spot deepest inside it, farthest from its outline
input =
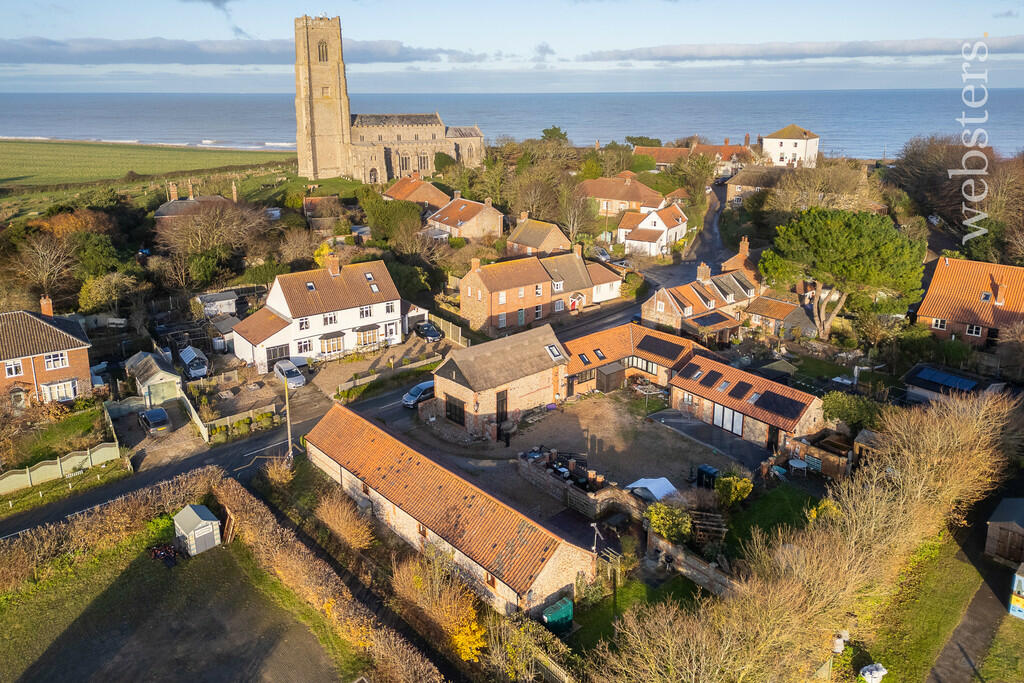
(798, 466)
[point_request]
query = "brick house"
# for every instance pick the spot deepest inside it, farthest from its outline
(502, 297)
(753, 179)
(412, 189)
(481, 386)
(604, 360)
(972, 300)
(728, 158)
(45, 357)
(754, 408)
(779, 317)
(652, 233)
(621, 193)
(531, 236)
(464, 218)
(512, 562)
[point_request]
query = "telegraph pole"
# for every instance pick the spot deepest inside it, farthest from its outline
(288, 420)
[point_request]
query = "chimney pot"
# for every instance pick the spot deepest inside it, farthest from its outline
(457, 194)
(46, 306)
(703, 272)
(333, 264)
(744, 246)
(727, 141)
(487, 201)
(474, 264)
(172, 191)
(998, 292)
(578, 250)
(746, 140)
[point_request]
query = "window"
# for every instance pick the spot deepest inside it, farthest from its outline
(12, 368)
(331, 345)
(622, 206)
(539, 290)
(986, 296)
(584, 359)
(585, 376)
(753, 397)
(780, 143)
(367, 337)
(641, 364)
(794, 144)
(404, 161)
(424, 162)
(538, 312)
(421, 530)
(303, 323)
(303, 346)
(310, 286)
(599, 353)
(723, 386)
(325, 92)
(604, 205)
(661, 307)
(490, 580)
(416, 136)
(522, 292)
(277, 353)
(559, 306)
(60, 391)
(469, 291)
(688, 311)
(697, 374)
(399, 138)
(687, 398)
(368, 276)
(478, 295)
(553, 352)
(374, 288)
(389, 307)
(501, 297)
(331, 318)
(455, 410)
(556, 286)
(55, 361)
(365, 311)
(501, 320)
(974, 330)
(938, 324)
(321, 51)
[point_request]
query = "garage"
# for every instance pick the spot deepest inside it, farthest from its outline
(154, 378)
(728, 419)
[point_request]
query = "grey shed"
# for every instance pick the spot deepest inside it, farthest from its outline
(196, 529)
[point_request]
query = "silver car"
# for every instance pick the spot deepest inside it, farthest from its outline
(287, 372)
(418, 394)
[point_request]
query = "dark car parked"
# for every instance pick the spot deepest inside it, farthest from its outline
(418, 394)
(428, 331)
(155, 421)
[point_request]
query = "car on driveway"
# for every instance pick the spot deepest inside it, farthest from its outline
(601, 254)
(418, 394)
(428, 331)
(155, 421)
(288, 373)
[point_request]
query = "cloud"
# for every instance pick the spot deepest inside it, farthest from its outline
(222, 5)
(801, 50)
(38, 50)
(1008, 14)
(542, 52)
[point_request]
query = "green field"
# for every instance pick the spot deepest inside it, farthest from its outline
(38, 162)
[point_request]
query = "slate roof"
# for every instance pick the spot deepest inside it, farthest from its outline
(260, 326)
(1009, 510)
(777, 404)
(792, 132)
(24, 334)
(627, 189)
(494, 363)
(183, 207)
(420, 191)
(508, 545)
(622, 341)
(463, 132)
(958, 286)
(570, 269)
(539, 235)
(513, 273)
(349, 289)
(396, 120)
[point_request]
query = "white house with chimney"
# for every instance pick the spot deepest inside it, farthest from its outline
(322, 313)
(791, 146)
(654, 233)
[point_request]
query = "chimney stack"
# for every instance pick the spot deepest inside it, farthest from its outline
(234, 192)
(597, 144)
(46, 306)
(457, 194)
(191, 193)
(578, 249)
(726, 143)
(744, 246)
(333, 264)
(474, 264)
(172, 192)
(487, 201)
(703, 272)
(746, 140)
(523, 216)
(999, 292)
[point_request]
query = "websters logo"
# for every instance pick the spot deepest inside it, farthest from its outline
(974, 162)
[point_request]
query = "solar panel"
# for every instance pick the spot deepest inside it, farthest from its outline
(780, 405)
(660, 347)
(709, 319)
(740, 390)
(689, 370)
(711, 378)
(946, 379)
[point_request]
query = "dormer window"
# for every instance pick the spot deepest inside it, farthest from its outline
(986, 296)
(688, 311)
(729, 298)
(750, 292)
(310, 286)
(556, 286)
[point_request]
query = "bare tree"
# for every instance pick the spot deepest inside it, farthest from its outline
(298, 244)
(45, 261)
(216, 224)
(577, 212)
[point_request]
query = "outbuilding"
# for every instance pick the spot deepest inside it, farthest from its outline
(1005, 540)
(196, 529)
(154, 377)
(195, 362)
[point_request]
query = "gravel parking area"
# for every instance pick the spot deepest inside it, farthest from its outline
(148, 451)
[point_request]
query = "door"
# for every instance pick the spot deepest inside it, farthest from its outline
(501, 414)
(737, 423)
(455, 410)
(373, 176)
(570, 386)
(204, 538)
(522, 317)
(718, 415)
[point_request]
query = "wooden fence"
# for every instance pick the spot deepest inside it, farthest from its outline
(453, 332)
(232, 419)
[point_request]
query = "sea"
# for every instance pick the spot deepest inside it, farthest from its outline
(857, 123)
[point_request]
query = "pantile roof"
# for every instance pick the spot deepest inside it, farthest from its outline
(770, 308)
(965, 292)
(260, 326)
(24, 334)
(644, 235)
(500, 361)
(752, 395)
(601, 275)
(626, 189)
(680, 193)
(622, 341)
(631, 219)
(539, 235)
(508, 545)
(412, 189)
(312, 292)
(458, 211)
(791, 132)
(513, 273)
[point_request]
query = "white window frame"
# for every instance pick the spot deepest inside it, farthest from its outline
(501, 297)
(331, 318)
(389, 307)
(556, 285)
(661, 307)
(976, 333)
(559, 306)
(56, 361)
(539, 290)
(13, 368)
(502, 320)
(304, 346)
(938, 324)
(60, 391)
(366, 312)
(303, 323)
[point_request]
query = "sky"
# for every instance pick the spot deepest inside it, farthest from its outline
(457, 46)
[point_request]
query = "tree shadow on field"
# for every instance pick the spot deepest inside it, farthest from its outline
(197, 621)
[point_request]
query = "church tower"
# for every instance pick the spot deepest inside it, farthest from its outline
(323, 120)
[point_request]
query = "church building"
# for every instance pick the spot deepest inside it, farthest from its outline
(333, 142)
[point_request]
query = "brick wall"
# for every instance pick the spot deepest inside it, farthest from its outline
(669, 317)
(955, 328)
(34, 374)
(754, 431)
(591, 504)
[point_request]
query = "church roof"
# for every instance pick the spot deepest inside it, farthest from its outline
(396, 120)
(463, 132)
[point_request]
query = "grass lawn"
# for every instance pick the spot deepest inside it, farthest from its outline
(120, 614)
(598, 622)
(36, 162)
(822, 369)
(75, 432)
(1005, 659)
(915, 624)
(386, 382)
(783, 504)
(638, 405)
(58, 489)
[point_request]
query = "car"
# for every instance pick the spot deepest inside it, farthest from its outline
(288, 373)
(637, 318)
(155, 421)
(418, 394)
(428, 331)
(601, 254)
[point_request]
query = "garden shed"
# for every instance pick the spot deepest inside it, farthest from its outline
(196, 529)
(154, 377)
(1005, 540)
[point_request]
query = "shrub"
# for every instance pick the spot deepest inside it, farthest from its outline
(855, 411)
(732, 488)
(339, 514)
(350, 240)
(457, 242)
(671, 523)
(218, 437)
(242, 428)
(279, 473)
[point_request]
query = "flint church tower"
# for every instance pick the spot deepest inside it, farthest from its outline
(332, 142)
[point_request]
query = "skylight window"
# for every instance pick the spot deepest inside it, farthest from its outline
(697, 374)
(584, 359)
(374, 288)
(553, 352)
(986, 296)
(369, 277)
(723, 386)
(599, 353)
(310, 286)
(753, 397)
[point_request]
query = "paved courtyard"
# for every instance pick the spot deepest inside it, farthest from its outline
(333, 373)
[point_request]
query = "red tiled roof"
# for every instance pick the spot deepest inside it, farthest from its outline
(759, 410)
(644, 235)
(616, 343)
(260, 326)
(601, 275)
(415, 190)
(681, 193)
(458, 211)
(770, 308)
(514, 273)
(958, 290)
(349, 289)
(671, 215)
(631, 219)
(539, 234)
(507, 544)
(625, 189)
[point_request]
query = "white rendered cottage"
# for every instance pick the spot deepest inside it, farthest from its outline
(322, 313)
(653, 233)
